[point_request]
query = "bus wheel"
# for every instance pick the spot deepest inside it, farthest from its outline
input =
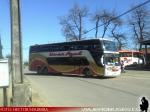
(87, 72)
(38, 70)
(45, 70)
(135, 63)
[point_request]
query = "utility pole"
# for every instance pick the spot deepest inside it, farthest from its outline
(21, 92)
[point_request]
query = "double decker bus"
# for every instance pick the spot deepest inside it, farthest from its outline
(130, 57)
(92, 57)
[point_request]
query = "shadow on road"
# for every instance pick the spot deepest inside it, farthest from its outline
(138, 67)
(67, 75)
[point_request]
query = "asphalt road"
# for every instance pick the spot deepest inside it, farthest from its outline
(123, 91)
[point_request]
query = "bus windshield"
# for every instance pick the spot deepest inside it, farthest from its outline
(109, 45)
(111, 59)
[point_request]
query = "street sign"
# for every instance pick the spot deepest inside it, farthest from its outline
(4, 73)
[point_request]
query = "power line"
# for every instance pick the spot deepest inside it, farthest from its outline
(126, 12)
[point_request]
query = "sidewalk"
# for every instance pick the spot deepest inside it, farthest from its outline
(36, 99)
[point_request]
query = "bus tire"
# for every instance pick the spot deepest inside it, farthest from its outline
(87, 72)
(38, 70)
(135, 63)
(45, 71)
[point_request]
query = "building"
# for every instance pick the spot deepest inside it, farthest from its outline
(146, 50)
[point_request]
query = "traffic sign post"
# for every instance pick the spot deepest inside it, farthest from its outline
(5, 98)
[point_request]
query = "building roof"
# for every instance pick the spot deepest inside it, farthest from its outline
(145, 42)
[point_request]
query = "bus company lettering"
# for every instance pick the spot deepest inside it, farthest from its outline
(67, 53)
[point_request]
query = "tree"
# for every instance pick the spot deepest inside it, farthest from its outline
(96, 19)
(120, 37)
(72, 24)
(139, 24)
(104, 17)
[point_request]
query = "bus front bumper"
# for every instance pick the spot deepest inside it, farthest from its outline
(112, 71)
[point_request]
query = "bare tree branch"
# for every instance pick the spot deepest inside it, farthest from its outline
(139, 22)
(120, 37)
(72, 24)
(103, 17)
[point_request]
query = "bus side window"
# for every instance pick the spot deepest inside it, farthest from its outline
(80, 61)
(75, 47)
(66, 48)
(71, 48)
(80, 47)
(84, 61)
(60, 48)
(96, 47)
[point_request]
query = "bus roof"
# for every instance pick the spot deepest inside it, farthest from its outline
(89, 41)
(95, 41)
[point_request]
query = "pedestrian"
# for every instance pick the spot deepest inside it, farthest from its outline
(122, 67)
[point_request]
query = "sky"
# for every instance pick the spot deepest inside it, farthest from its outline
(40, 19)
